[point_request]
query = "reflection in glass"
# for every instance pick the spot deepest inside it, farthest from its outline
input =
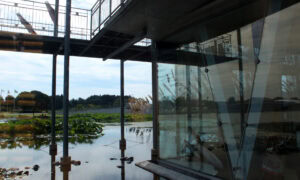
(236, 118)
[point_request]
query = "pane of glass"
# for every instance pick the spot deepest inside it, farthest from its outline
(236, 114)
(270, 145)
(95, 21)
(105, 10)
(115, 4)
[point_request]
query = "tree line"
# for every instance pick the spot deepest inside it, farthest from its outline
(36, 101)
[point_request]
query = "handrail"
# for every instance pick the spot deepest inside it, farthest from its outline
(85, 23)
(100, 15)
(36, 13)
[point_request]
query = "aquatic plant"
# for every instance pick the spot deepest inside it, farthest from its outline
(78, 123)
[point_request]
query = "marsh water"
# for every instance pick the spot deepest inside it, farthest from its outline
(99, 156)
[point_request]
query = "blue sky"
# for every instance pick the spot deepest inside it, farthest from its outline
(88, 76)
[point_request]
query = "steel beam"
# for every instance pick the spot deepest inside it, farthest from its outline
(125, 46)
(94, 41)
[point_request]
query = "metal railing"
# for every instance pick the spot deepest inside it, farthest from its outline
(102, 11)
(219, 46)
(37, 15)
(85, 23)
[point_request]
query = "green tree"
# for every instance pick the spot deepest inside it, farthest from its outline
(9, 102)
(26, 101)
(42, 101)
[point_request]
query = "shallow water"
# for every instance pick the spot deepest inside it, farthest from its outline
(95, 157)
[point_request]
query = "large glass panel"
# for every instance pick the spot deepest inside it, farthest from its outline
(235, 115)
(95, 21)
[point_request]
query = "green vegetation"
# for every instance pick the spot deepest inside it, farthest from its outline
(113, 117)
(42, 125)
(84, 124)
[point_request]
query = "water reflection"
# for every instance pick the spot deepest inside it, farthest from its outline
(95, 157)
(143, 134)
(38, 142)
(122, 165)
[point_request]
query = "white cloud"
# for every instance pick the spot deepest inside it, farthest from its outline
(88, 76)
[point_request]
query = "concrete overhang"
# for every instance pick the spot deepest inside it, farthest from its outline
(178, 22)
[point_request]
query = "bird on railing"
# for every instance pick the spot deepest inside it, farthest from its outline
(26, 24)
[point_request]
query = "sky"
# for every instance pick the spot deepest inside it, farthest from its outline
(88, 76)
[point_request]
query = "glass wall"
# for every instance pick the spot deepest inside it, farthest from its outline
(236, 116)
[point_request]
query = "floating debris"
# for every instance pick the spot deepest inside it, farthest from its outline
(112, 159)
(36, 167)
(12, 173)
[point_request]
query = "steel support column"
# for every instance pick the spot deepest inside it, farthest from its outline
(241, 81)
(53, 146)
(122, 141)
(66, 160)
(154, 54)
(200, 103)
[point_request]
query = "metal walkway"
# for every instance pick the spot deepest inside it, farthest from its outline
(28, 26)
